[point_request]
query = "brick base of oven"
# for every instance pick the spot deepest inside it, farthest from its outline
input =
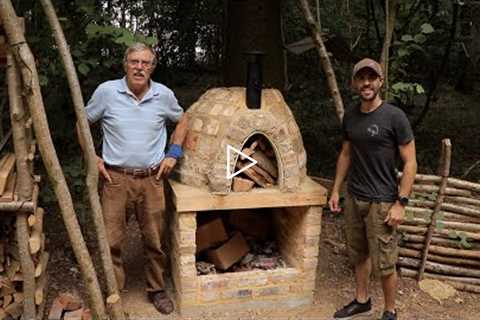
(297, 235)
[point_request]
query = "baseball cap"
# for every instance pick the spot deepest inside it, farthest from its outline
(368, 63)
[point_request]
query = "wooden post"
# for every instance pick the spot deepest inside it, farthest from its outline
(24, 187)
(89, 149)
(31, 85)
(444, 172)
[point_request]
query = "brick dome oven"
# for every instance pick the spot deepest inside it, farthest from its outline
(220, 118)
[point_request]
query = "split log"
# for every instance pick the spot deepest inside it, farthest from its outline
(14, 310)
(459, 283)
(6, 170)
(265, 163)
(414, 253)
(242, 185)
(264, 174)
(40, 288)
(442, 232)
(252, 174)
(90, 155)
(450, 243)
(36, 107)
(9, 192)
(41, 266)
(35, 240)
(439, 267)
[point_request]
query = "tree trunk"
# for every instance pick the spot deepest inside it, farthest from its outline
(391, 14)
(324, 59)
(24, 186)
(92, 172)
(33, 96)
(254, 25)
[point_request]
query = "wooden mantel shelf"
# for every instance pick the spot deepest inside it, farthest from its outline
(189, 199)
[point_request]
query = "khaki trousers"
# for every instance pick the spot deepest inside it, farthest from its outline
(147, 197)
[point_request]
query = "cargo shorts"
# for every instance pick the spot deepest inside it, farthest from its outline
(369, 236)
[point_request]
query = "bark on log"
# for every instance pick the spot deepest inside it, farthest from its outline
(89, 149)
(415, 253)
(324, 59)
(426, 213)
(441, 232)
(462, 253)
(24, 186)
(450, 225)
(449, 243)
(33, 96)
(472, 212)
(439, 268)
(448, 191)
(453, 182)
(20, 206)
(464, 200)
(459, 283)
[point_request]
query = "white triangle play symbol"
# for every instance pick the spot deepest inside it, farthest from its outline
(230, 153)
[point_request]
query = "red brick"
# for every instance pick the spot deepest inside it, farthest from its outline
(210, 234)
(231, 252)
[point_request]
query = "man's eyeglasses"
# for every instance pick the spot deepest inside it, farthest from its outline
(143, 63)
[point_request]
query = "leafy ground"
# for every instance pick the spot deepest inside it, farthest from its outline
(334, 286)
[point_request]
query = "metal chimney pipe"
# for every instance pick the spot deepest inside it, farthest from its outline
(254, 79)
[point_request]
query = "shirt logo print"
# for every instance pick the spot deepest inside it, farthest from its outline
(373, 130)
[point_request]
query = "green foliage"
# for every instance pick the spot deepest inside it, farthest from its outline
(462, 237)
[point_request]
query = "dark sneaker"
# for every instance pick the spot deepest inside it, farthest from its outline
(161, 301)
(388, 315)
(354, 310)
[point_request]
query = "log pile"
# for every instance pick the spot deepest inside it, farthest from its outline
(264, 174)
(11, 275)
(236, 241)
(440, 237)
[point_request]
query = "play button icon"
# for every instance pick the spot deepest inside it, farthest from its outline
(231, 151)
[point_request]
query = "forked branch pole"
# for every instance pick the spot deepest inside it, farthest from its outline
(90, 156)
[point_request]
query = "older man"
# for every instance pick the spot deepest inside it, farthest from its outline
(133, 113)
(375, 133)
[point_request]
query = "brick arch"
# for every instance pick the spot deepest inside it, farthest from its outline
(244, 127)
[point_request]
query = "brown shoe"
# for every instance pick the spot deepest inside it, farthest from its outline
(161, 301)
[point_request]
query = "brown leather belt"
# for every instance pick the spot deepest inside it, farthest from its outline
(135, 172)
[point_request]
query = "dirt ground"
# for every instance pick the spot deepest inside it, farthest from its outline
(334, 286)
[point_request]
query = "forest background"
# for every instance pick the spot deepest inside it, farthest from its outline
(432, 67)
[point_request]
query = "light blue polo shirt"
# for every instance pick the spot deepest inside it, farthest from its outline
(134, 132)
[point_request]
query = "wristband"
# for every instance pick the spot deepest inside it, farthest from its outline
(174, 151)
